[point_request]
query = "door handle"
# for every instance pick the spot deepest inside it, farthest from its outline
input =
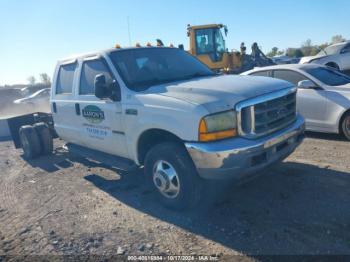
(77, 109)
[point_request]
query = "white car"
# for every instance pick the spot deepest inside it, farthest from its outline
(39, 100)
(336, 56)
(323, 96)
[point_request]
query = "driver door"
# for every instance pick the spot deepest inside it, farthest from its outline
(311, 102)
(100, 120)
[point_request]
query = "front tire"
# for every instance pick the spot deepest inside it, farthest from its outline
(345, 126)
(173, 175)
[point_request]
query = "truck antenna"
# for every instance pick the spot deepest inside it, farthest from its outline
(129, 34)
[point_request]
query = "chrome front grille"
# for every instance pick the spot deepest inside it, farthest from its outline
(266, 114)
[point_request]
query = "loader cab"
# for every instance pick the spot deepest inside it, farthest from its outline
(207, 43)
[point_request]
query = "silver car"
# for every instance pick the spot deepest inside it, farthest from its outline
(38, 101)
(37, 97)
(323, 95)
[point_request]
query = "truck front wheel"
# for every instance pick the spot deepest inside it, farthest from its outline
(173, 174)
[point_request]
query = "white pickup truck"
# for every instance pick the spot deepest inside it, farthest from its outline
(163, 109)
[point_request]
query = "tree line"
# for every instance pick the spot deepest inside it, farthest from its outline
(44, 80)
(307, 48)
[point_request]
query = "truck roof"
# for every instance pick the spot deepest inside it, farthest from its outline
(205, 26)
(73, 57)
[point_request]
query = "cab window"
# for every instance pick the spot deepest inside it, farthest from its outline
(290, 76)
(204, 41)
(211, 42)
(65, 79)
(89, 70)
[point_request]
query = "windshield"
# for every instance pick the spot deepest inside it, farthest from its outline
(328, 76)
(331, 50)
(145, 67)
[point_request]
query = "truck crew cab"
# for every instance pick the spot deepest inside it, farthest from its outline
(163, 109)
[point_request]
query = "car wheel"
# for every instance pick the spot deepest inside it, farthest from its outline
(45, 138)
(333, 65)
(173, 175)
(30, 142)
(345, 126)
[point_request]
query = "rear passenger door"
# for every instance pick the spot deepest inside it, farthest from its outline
(63, 101)
(100, 121)
(311, 102)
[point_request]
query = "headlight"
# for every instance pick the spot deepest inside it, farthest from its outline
(218, 126)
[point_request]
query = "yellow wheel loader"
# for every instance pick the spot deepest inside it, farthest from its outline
(207, 43)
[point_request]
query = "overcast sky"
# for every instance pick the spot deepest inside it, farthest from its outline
(35, 34)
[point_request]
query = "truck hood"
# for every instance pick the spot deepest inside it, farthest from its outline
(219, 93)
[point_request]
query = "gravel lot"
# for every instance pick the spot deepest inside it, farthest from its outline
(64, 204)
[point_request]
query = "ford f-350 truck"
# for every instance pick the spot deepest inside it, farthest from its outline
(163, 109)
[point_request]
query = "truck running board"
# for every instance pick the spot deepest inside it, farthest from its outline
(105, 158)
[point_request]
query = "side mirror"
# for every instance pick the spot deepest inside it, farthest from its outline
(306, 84)
(100, 86)
(103, 90)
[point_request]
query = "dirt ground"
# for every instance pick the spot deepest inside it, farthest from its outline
(67, 205)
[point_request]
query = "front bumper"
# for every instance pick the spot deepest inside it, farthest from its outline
(240, 157)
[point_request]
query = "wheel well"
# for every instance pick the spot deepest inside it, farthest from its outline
(152, 137)
(341, 120)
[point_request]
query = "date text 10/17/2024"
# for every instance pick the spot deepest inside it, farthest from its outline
(173, 258)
